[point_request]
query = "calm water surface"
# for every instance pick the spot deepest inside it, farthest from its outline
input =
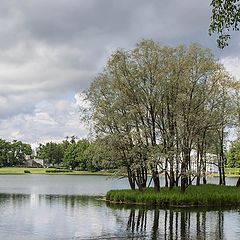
(56, 207)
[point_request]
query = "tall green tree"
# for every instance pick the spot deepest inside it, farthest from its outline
(74, 156)
(5, 151)
(233, 155)
(53, 153)
(19, 150)
(13, 153)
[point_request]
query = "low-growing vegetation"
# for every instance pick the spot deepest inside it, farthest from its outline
(22, 170)
(232, 171)
(58, 171)
(202, 196)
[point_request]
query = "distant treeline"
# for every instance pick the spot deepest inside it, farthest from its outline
(79, 155)
(70, 153)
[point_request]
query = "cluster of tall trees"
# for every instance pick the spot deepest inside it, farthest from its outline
(13, 153)
(152, 106)
(70, 153)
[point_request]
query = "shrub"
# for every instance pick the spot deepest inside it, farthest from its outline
(27, 171)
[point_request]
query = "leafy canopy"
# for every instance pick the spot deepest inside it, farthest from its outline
(225, 17)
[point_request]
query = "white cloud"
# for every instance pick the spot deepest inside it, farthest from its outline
(50, 121)
(232, 65)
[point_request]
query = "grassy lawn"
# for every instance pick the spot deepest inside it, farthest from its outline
(232, 171)
(195, 196)
(229, 172)
(20, 170)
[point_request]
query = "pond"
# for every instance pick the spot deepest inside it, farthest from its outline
(63, 207)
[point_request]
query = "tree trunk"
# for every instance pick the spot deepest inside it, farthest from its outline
(198, 168)
(141, 178)
(166, 179)
(238, 182)
(184, 177)
(189, 177)
(223, 175)
(177, 177)
(221, 163)
(220, 173)
(166, 174)
(172, 178)
(131, 178)
(156, 180)
(204, 168)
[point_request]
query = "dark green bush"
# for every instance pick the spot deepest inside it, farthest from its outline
(27, 171)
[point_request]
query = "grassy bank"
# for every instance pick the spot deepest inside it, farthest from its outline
(204, 196)
(23, 170)
(229, 172)
(232, 171)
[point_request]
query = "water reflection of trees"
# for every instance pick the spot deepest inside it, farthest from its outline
(137, 221)
(68, 201)
(16, 200)
(171, 224)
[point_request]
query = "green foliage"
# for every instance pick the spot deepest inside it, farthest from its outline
(53, 153)
(99, 155)
(92, 158)
(27, 171)
(232, 171)
(74, 156)
(233, 155)
(82, 154)
(172, 100)
(13, 153)
(204, 195)
(225, 17)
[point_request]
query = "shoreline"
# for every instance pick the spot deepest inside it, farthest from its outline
(43, 171)
(230, 206)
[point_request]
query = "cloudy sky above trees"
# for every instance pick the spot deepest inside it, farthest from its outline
(52, 50)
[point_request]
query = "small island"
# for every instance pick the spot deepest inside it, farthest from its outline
(208, 195)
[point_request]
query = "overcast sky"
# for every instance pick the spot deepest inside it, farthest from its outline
(51, 50)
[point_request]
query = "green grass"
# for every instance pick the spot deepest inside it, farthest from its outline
(204, 196)
(229, 172)
(58, 171)
(232, 171)
(22, 170)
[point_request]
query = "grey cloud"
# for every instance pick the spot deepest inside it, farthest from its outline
(49, 120)
(50, 50)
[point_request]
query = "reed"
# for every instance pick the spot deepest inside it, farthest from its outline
(203, 195)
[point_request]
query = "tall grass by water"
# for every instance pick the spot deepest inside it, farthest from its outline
(203, 195)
